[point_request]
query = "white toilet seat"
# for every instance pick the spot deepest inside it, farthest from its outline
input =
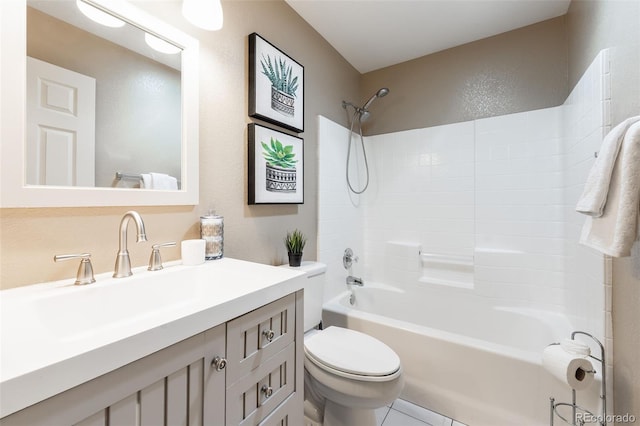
(351, 354)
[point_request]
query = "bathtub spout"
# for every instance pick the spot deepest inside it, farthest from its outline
(351, 280)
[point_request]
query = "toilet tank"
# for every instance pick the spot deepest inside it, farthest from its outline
(313, 292)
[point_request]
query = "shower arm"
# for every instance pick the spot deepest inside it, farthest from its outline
(357, 109)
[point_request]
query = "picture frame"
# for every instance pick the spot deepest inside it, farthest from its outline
(276, 166)
(276, 85)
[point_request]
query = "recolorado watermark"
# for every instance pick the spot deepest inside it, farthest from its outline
(584, 418)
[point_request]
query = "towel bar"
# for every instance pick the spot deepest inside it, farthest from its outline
(128, 176)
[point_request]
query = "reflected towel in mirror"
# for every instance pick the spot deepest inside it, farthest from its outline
(158, 181)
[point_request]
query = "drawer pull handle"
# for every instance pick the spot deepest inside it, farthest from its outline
(269, 334)
(266, 390)
(219, 363)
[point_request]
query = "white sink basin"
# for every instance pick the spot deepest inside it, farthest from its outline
(75, 312)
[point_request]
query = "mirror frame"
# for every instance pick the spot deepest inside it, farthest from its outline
(14, 192)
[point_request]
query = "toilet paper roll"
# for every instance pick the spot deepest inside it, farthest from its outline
(193, 252)
(573, 370)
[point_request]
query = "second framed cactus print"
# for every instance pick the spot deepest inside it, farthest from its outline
(276, 85)
(276, 167)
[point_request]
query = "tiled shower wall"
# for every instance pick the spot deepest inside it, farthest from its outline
(339, 212)
(500, 191)
(421, 198)
(519, 210)
(588, 277)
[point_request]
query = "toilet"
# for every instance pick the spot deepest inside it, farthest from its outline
(348, 374)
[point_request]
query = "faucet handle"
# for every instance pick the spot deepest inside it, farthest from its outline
(348, 258)
(155, 261)
(85, 270)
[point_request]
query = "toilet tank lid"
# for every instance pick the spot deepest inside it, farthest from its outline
(311, 268)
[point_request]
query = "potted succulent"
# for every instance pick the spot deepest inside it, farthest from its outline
(294, 242)
(280, 167)
(283, 84)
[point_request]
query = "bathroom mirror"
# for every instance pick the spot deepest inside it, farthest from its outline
(151, 128)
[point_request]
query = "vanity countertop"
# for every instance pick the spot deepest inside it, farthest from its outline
(57, 335)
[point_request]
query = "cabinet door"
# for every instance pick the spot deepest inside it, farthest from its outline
(258, 335)
(168, 384)
(214, 376)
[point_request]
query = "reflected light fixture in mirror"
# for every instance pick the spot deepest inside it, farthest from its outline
(99, 16)
(205, 14)
(160, 45)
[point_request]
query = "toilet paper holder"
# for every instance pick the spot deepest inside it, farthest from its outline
(575, 408)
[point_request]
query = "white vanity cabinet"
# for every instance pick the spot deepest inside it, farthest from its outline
(188, 383)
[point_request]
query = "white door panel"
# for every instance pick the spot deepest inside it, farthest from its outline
(60, 126)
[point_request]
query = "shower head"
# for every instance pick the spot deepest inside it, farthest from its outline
(363, 113)
(379, 94)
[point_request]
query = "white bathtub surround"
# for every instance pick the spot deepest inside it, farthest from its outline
(588, 276)
(616, 229)
(497, 196)
(340, 220)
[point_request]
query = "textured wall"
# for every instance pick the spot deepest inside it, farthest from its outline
(518, 71)
(592, 26)
(30, 237)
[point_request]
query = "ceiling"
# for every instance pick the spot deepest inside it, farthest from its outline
(373, 34)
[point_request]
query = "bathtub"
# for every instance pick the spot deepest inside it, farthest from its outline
(463, 358)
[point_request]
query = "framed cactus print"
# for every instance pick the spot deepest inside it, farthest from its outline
(276, 85)
(276, 166)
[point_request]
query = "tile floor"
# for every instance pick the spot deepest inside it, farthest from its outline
(403, 413)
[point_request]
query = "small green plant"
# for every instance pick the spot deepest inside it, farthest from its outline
(295, 241)
(280, 75)
(279, 155)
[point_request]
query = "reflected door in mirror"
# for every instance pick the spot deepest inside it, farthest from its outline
(60, 126)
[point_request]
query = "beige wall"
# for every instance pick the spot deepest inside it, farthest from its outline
(593, 26)
(30, 237)
(518, 71)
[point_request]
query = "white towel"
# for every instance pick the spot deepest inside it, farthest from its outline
(616, 230)
(163, 181)
(594, 196)
(158, 181)
(145, 180)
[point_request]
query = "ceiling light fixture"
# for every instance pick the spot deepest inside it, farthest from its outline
(205, 14)
(160, 45)
(99, 16)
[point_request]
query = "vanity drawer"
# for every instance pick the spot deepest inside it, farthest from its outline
(252, 398)
(258, 335)
(289, 413)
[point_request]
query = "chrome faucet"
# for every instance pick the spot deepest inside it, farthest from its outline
(123, 264)
(351, 280)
